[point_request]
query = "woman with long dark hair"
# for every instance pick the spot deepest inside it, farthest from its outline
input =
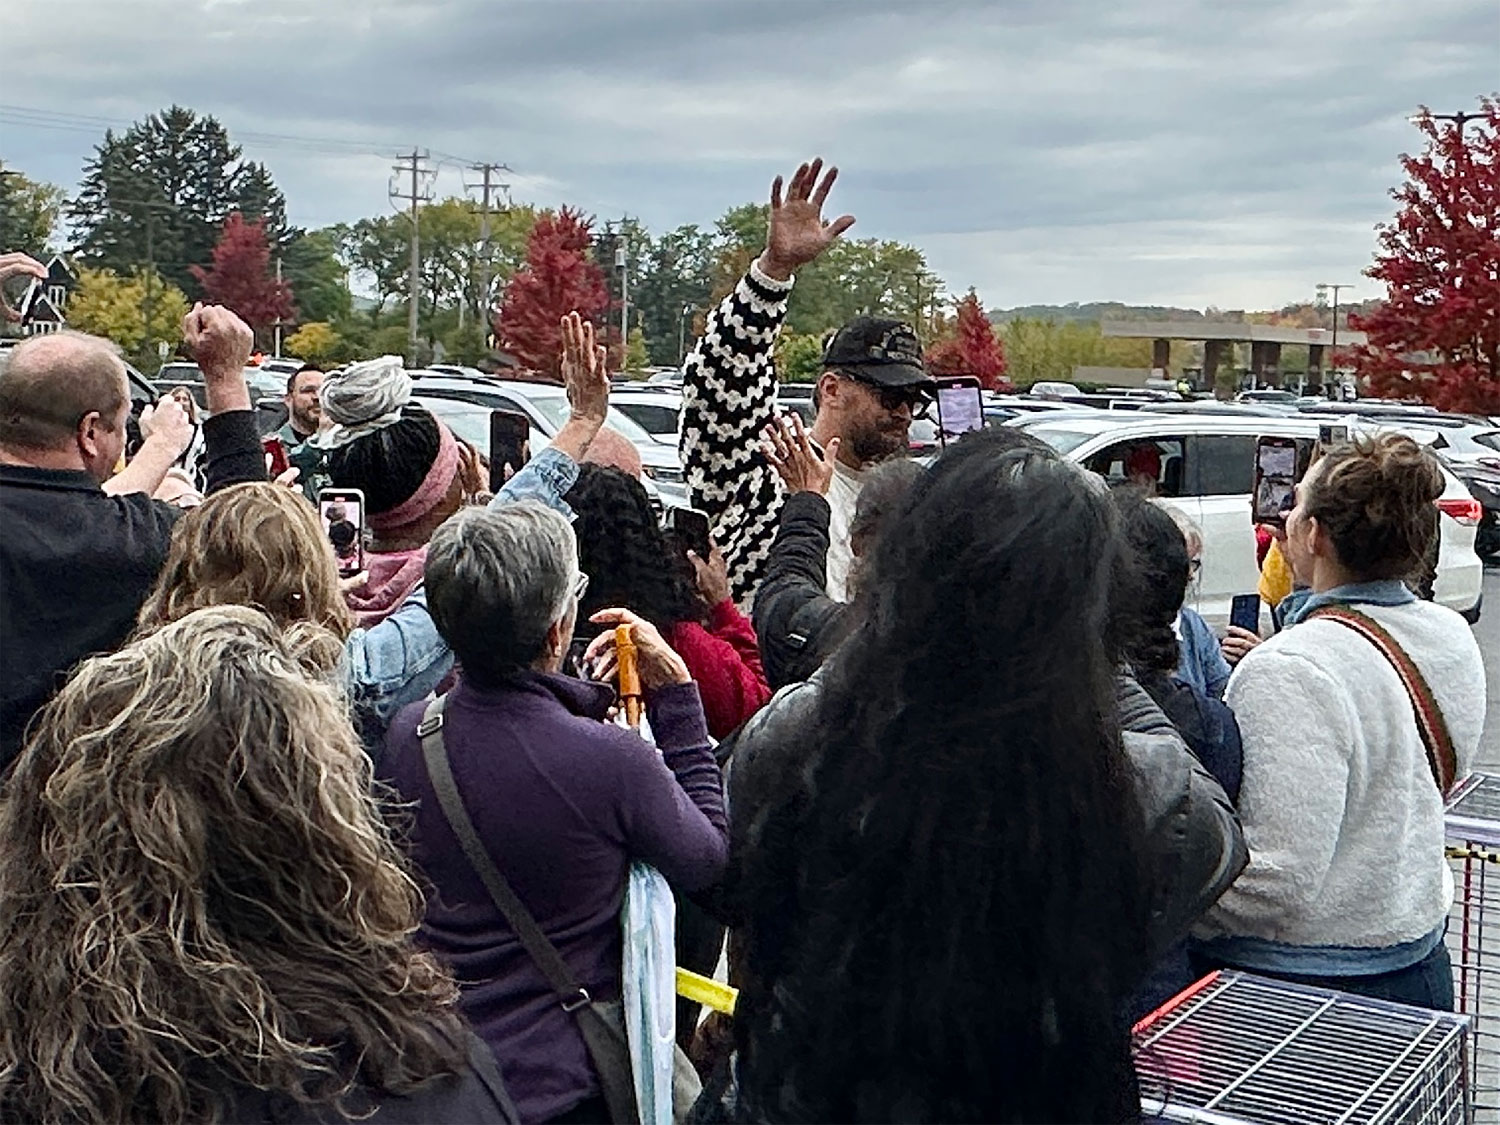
(940, 866)
(629, 562)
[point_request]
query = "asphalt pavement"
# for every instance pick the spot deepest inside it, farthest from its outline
(1487, 632)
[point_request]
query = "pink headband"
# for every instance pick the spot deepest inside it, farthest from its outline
(433, 488)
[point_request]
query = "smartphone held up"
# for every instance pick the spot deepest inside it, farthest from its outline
(960, 407)
(342, 513)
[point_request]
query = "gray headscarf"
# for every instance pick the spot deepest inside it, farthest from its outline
(362, 398)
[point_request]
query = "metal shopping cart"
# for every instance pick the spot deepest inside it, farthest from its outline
(1473, 942)
(1237, 1048)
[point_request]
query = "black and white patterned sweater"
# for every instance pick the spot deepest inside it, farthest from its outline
(728, 397)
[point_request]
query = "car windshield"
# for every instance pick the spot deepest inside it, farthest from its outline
(656, 419)
(468, 423)
(1059, 436)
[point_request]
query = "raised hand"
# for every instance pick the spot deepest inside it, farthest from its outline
(220, 341)
(798, 233)
(584, 369)
(796, 460)
(712, 575)
(17, 265)
(585, 373)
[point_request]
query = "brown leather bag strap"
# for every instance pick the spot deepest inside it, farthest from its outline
(1442, 758)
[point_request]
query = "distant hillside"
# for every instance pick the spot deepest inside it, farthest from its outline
(1092, 313)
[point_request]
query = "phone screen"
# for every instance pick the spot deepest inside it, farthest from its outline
(690, 528)
(960, 406)
(342, 511)
(1332, 435)
(1276, 473)
(510, 439)
(1244, 612)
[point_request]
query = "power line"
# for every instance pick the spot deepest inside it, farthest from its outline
(28, 117)
(420, 192)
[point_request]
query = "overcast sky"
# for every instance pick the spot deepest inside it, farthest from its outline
(1152, 151)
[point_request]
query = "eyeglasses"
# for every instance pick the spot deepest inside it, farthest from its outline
(894, 398)
(580, 586)
(1195, 566)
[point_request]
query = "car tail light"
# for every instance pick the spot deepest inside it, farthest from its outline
(1466, 511)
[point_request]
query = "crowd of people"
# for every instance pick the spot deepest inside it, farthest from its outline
(942, 749)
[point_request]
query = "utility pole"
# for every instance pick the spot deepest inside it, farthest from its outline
(276, 348)
(687, 310)
(486, 187)
(622, 262)
(1460, 118)
(148, 297)
(1333, 350)
(419, 193)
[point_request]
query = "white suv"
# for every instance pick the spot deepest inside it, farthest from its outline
(1207, 465)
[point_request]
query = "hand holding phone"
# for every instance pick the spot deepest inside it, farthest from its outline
(688, 528)
(1244, 612)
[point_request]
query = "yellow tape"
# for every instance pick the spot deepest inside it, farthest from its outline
(709, 993)
(1469, 851)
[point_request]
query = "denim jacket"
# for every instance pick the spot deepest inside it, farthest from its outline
(402, 659)
(1390, 591)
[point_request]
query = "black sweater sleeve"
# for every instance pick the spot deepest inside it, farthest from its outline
(233, 453)
(794, 617)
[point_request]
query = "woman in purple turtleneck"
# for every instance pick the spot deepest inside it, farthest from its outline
(563, 800)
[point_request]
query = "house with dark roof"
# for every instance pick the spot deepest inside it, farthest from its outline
(50, 312)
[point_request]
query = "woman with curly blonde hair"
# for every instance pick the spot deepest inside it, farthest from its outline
(202, 914)
(261, 545)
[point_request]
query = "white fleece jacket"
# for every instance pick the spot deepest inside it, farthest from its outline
(1340, 812)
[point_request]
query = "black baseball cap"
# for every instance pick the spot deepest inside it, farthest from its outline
(880, 351)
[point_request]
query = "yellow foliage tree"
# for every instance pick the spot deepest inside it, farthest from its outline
(137, 312)
(316, 342)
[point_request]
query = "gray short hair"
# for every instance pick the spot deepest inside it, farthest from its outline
(497, 578)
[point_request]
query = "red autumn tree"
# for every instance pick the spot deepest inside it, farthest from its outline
(974, 349)
(559, 277)
(1436, 337)
(241, 278)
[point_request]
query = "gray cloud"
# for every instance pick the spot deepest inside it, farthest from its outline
(1166, 150)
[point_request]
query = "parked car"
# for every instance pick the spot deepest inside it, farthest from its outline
(1045, 389)
(546, 404)
(263, 383)
(472, 423)
(1207, 469)
(1269, 395)
(657, 411)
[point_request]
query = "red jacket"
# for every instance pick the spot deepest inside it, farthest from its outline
(725, 660)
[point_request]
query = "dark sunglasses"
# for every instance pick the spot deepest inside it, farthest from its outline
(894, 398)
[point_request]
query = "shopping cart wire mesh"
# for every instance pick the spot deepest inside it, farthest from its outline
(1473, 944)
(1238, 1048)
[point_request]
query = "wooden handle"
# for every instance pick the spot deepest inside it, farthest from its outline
(630, 675)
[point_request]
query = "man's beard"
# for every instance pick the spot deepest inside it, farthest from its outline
(305, 424)
(871, 443)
